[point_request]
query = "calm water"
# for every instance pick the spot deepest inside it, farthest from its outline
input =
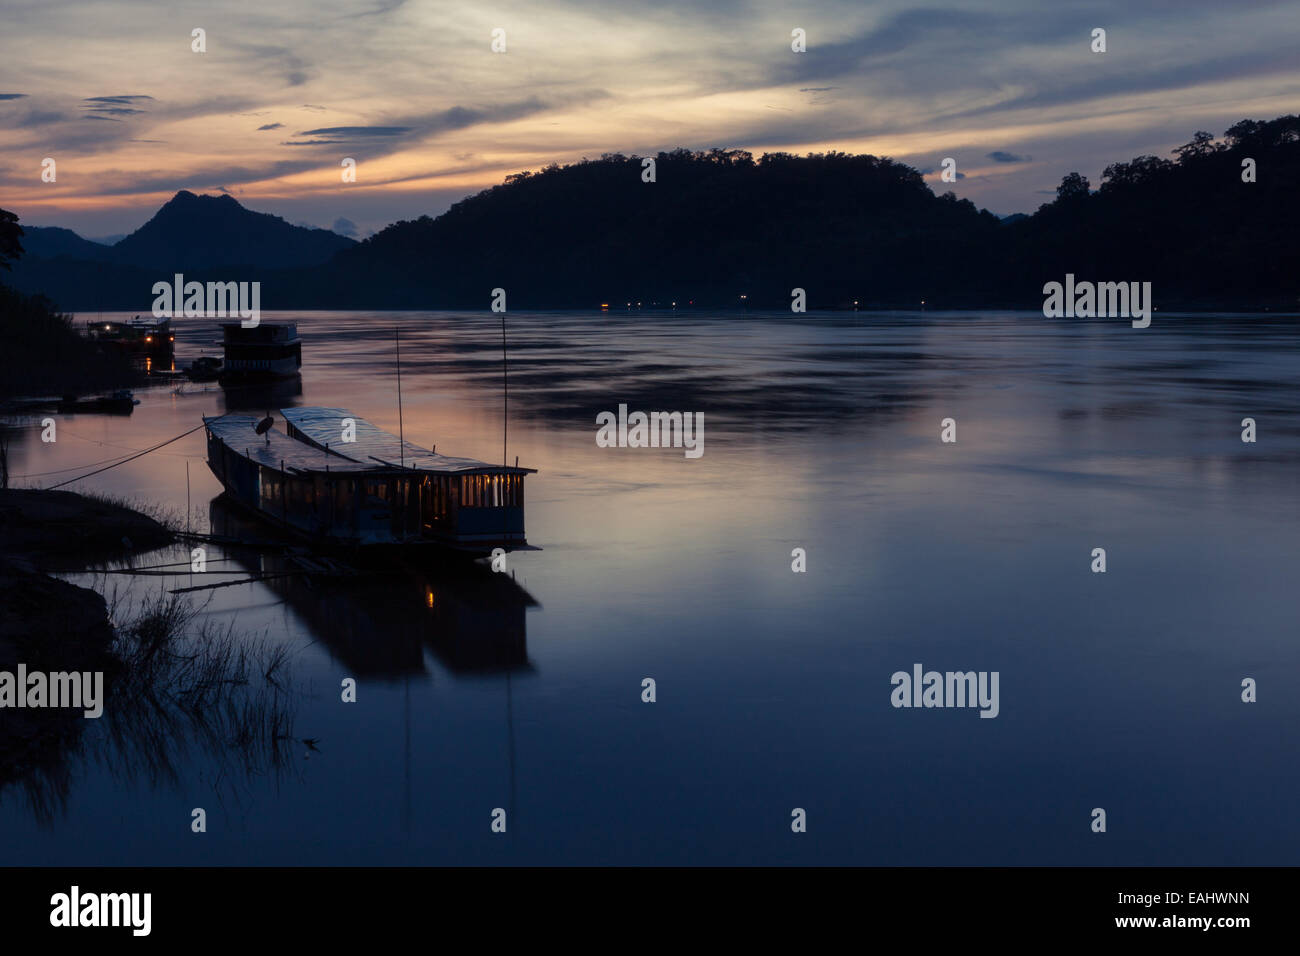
(1118, 690)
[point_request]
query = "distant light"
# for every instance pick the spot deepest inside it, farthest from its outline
(148, 338)
(428, 598)
(172, 339)
(106, 328)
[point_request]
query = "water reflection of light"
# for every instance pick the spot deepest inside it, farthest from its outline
(428, 597)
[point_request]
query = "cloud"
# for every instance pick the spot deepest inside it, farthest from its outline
(119, 100)
(12, 96)
(355, 131)
(108, 107)
(271, 126)
(345, 227)
(1000, 156)
(38, 118)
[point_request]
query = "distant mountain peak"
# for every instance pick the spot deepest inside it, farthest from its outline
(204, 232)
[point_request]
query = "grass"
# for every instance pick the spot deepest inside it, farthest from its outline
(183, 690)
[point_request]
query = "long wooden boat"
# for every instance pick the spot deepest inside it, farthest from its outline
(374, 491)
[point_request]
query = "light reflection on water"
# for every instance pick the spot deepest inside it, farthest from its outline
(821, 431)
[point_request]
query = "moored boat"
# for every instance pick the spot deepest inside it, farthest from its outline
(268, 350)
(336, 479)
(205, 368)
(120, 402)
(149, 337)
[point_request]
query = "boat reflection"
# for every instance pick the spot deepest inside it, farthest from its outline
(379, 622)
(257, 396)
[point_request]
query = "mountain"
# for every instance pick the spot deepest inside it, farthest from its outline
(51, 242)
(717, 228)
(205, 237)
(205, 232)
(1212, 228)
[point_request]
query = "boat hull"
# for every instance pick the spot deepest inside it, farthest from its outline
(334, 502)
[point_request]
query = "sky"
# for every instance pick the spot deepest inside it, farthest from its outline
(113, 92)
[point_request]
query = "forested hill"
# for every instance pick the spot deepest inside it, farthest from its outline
(1189, 224)
(713, 227)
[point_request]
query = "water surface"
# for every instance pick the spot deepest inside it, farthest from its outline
(1118, 690)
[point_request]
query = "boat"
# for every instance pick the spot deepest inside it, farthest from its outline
(205, 368)
(336, 480)
(151, 337)
(120, 402)
(268, 350)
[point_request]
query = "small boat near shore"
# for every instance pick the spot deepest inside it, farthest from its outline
(205, 368)
(335, 479)
(120, 402)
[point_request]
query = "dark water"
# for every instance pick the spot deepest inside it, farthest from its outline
(1119, 690)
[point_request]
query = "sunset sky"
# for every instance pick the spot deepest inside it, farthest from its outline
(413, 92)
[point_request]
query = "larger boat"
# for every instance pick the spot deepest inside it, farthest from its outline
(336, 479)
(264, 351)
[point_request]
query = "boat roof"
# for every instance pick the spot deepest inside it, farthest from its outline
(373, 450)
(325, 425)
(275, 449)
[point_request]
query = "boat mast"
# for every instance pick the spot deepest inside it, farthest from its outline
(401, 434)
(505, 391)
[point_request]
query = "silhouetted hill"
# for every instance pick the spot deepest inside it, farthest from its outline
(715, 226)
(205, 237)
(51, 242)
(721, 225)
(712, 228)
(205, 232)
(1189, 225)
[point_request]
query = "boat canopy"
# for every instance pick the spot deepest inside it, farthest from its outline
(277, 450)
(324, 426)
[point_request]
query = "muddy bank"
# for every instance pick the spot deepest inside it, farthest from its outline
(62, 530)
(51, 625)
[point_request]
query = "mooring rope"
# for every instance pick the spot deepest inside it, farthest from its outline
(125, 460)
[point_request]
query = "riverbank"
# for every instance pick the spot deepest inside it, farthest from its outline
(48, 624)
(42, 618)
(42, 353)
